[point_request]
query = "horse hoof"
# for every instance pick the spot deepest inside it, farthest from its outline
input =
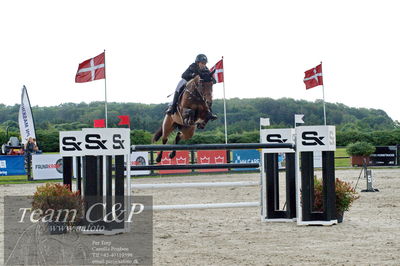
(158, 159)
(172, 155)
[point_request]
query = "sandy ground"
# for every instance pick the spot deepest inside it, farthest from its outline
(369, 235)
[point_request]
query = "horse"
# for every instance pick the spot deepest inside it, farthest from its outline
(194, 110)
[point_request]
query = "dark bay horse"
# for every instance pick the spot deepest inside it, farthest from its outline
(193, 111)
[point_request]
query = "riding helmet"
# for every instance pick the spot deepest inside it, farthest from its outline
(201, 58)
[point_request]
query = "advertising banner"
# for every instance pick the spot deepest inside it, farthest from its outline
(47, 166)
(211, 157)
(384, 155)
(140, 158)
(25, 118)
(182, 157)
(245, 156)
(12, 165)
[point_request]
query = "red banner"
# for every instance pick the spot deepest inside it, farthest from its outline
(181, 158)
(211, 157)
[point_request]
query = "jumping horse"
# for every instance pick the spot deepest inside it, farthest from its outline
(193, 111)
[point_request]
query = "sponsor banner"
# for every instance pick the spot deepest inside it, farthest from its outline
(245, 156)
(182, 157)
(315, 138)
(12, 165)
(25, 118)
(47, 166)
(211, 157)
(140, 158)
(276, 136)
(95, 141)
(384, 155)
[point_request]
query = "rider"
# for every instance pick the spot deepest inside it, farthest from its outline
(192, 71)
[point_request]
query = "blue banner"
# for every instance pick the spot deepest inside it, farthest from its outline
(12, 165)
(245, 156)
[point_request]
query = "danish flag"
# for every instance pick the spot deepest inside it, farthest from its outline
(219, 71)
(91, 69)
(313, 77)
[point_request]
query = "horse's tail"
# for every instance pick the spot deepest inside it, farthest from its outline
(157, 135)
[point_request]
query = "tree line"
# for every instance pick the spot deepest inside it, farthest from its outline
(243, 116)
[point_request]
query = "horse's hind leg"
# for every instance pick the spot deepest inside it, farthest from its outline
(177, 139)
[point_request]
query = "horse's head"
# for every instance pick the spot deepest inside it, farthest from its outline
(206, 83)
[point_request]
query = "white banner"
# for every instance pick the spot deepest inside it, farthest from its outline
(95, 141)
(315, 138)
(25, 118)
(140, 158)
(47, 166)
(278, 135)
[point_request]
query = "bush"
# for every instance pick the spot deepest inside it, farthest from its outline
(360, 148)
(345, 195)
(58, 204)
(139, 136)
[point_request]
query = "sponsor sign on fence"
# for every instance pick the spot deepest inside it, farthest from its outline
(140, 158)
(12, 165)
(47, 166)
(245, 156)
(181, 158)
(211, 157)
(384, 155)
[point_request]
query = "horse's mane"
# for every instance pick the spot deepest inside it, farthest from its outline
(205, 76)
(193, 81)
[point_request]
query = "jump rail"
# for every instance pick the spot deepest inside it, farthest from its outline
(206, 206)
(196, 184)
(230, 146)
(194, 166)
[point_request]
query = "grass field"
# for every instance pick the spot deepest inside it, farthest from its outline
(343, 162)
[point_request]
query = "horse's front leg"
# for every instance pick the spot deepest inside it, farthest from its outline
(177, 139)
(159, 156)
(188, 116)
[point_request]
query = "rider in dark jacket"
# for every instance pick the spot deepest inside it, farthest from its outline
(192, 71)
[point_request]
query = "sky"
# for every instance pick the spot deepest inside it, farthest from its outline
(266, 45)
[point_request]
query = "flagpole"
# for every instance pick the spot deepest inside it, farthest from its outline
(323, 96)
(105, 89)
(226, 127)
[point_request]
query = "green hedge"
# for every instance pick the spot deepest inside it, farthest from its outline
(48, 139)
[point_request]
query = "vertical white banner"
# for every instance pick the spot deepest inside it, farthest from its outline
(25, 118)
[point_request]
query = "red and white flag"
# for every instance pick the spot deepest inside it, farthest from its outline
(219, 71)
(313, 77)
(91, 69)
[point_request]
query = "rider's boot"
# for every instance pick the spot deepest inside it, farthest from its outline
(172, 108)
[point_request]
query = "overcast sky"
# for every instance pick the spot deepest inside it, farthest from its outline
(267, 46)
